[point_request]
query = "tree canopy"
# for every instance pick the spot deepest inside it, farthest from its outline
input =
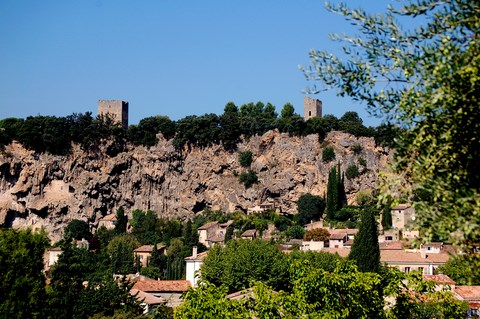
(423, 78)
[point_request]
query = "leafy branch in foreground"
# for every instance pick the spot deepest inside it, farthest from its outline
(425, 79)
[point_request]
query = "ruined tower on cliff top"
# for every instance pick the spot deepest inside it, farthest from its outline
(117, 109)
(311, 108)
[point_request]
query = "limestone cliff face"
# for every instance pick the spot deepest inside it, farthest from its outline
(41, 190)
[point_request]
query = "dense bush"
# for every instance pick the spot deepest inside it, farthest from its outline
(352, 171)
(55, 134)
(328, 154)
(248, 178)
(245, 158)
(310, 207)
(357, 149)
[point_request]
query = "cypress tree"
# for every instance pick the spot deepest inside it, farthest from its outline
(365, 249)
(332, 193)
(386, 218)
(121, 225)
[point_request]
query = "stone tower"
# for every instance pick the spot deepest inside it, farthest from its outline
(117, 109)
(311, 108)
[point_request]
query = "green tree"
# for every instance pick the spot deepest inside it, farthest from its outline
(424, 79)
(248, 178)
(386, 217)
(230, 127)
(365, 249)
(120, 249)
(22, 282)
(336, 196)
(78, 229)
(310, 208)
(328, 154)
(122, 220)
(242, 261)
(295, 232)
(245, 158)
(459, 269)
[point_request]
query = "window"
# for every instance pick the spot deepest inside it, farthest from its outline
(309, 113)
(407, 270)
(421, 269)
(388, 238)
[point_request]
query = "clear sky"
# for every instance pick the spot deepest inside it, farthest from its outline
(167, 57)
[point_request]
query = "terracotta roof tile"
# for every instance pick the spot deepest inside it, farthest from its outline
(148, 248)
(439, 279)
(400, 256)
(200, 256)
(162, 285)
(391, 245)
(468, 292)
(249, 233)
(146, 297)
(207, 225)
(216, 238)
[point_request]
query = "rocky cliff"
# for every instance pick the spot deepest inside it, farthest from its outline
(41, 190)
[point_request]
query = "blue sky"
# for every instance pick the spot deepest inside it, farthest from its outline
(166, 57)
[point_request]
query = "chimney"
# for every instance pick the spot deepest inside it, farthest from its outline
(194, 252)
(423, 253)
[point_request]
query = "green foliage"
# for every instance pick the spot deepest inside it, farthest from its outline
(245, 158)
(357, 149)
(365, 198)
(336, 197)
(209, 301)
(248, 178)
(295, 232)
(78, 229)
(346, 213)
(122, 221)
(362, 161)
(310, 207)
(242, 261)
(459, 269)
(365, 249)
(145, 133)
(144, 226)
(387, 134)
(317, 234)
(22, 282)
(431, 91)
(387, 217)
(352, 171)
(120, 249)
(351, 123)
(328, 154)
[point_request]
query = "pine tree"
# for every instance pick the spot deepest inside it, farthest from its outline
(365, 249)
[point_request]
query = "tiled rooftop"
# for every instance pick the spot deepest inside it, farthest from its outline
(162, 285)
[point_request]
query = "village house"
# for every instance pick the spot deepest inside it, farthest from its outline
(250, 234)
(471, 295)
(313, 225)
(108, 221)
(261, 208)
(193, 264)
(147, 300)
(213, 233)
(408, 261)
(169, 290)
(144, 253)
